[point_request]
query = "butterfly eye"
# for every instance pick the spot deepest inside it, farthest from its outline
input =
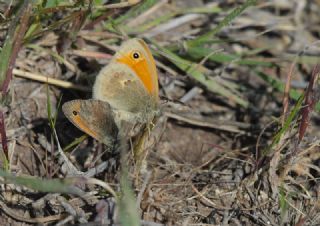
(75, 113)
(136, 55)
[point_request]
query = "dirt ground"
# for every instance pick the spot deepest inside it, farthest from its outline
(209, 160)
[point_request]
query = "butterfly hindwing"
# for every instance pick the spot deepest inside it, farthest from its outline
(94, 117)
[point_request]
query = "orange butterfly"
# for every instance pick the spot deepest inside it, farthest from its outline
(125, 93)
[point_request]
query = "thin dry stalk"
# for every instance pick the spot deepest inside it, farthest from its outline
(51, 81)
(285, 101)
(311, 98)
(3, 133)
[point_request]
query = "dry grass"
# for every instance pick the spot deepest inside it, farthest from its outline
(236, 143)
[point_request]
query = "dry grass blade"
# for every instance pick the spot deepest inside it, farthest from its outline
(119, 5)
(286, 92)
(312, 96)
(50, 81)
(4, 141)
(38, 220)
(102, 184)
(204, 166)
(301, 221)
(238, 128)
(198, 73)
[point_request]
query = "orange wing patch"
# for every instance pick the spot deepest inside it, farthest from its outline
(152, 67)
(140, 67)
(82, 125)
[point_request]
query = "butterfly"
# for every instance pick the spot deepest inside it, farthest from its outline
(125, 94)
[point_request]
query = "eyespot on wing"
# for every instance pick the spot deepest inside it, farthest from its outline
(94, 117)
(136, 54)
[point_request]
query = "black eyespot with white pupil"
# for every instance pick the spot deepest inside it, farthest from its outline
(136, 55)
(75, 113)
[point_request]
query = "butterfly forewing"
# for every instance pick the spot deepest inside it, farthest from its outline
(129, 84)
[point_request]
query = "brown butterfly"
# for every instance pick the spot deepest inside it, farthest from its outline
(125, 94)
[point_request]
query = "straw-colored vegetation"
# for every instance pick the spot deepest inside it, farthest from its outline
(237, 139)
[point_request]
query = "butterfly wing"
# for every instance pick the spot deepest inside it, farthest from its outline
(94, 117)
(118, 85)
(129, 83)
(142, 64)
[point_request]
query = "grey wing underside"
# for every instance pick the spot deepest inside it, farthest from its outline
(118, 85)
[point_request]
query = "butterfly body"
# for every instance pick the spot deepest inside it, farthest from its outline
(125, 94)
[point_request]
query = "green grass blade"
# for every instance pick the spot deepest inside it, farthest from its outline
(7, 48)
(42, 185)
(198, 53)
(52, 3)
(195, 72)
(283, 203)
(57, 111)
(226, 21)
(287, 124)
(75, 142)
(280, 86)
(5, 58)
(127, 205)
(150, 24)
(131, 13)
(49, 109)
